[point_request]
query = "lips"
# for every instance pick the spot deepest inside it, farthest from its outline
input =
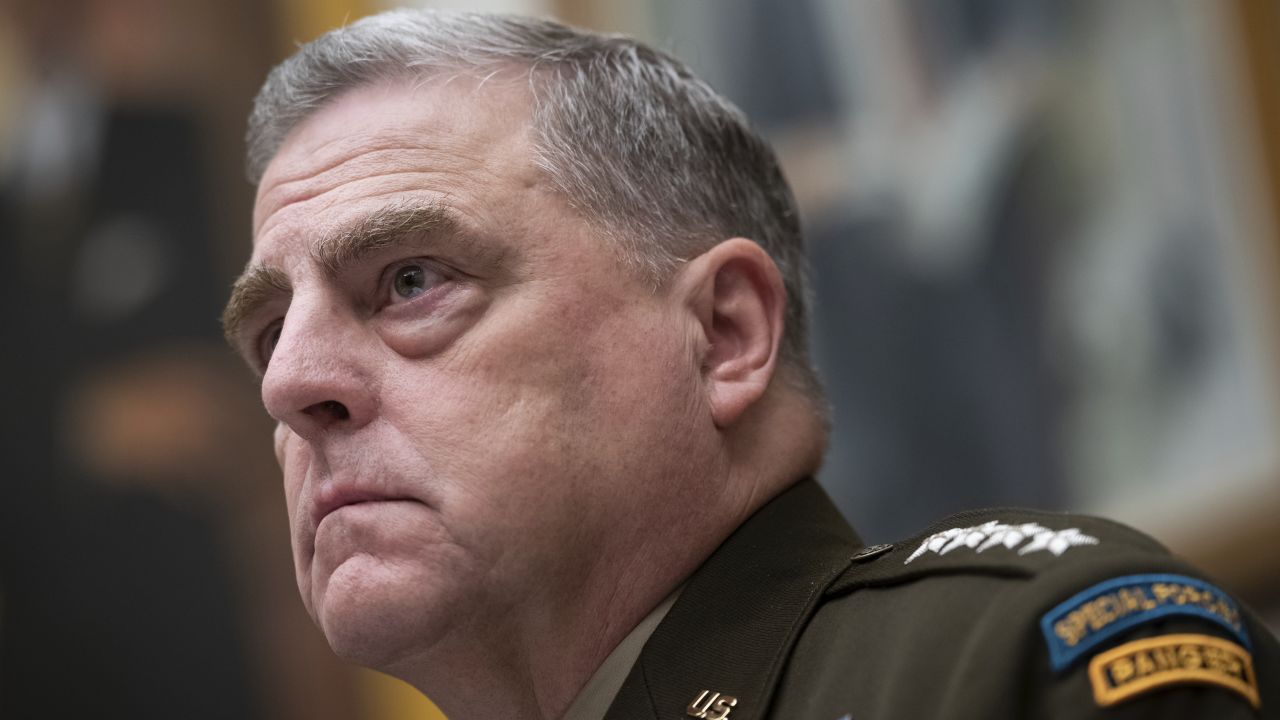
(333, 497)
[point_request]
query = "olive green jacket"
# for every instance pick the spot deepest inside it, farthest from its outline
(989, 614)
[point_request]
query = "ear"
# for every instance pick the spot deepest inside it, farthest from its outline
(735, 292)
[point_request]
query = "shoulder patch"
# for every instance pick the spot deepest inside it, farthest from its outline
(1150, 664)
(1026, 537)
(1102, 611)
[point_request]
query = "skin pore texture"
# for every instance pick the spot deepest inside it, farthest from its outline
(500, 448)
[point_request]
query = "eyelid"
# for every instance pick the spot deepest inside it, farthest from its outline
(261, 355)
(248, 341)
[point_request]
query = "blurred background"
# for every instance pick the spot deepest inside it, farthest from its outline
(1045, 251)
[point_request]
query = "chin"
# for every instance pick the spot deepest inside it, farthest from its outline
(380, 616)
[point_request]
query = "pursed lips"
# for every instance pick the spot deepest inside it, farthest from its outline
(332, 497)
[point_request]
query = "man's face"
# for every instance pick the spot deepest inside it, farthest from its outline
(477, 406)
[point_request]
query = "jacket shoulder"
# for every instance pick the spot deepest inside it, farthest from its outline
(1005, 613)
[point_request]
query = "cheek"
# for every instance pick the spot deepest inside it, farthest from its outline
(290, 452)
(430, 325)
(566, 381)
(589, 380)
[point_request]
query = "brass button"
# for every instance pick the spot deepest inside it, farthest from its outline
(870, 553)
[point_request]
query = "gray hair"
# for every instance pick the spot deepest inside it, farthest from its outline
(641, 147)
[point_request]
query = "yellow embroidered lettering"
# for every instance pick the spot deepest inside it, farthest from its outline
(1089, 615)
(1142, 666)
(1108, 609)
(1165, 658)
(1143, 663)
(1070, 629)
(1121, 670)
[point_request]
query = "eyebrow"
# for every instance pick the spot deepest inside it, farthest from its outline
(336, 252)
(257, 286)
(379, 230)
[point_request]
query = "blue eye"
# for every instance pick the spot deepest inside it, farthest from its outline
(410, 281)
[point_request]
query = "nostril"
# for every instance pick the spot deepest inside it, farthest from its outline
(336, 409)
(329, 410)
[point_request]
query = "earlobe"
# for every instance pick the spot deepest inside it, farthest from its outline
(735, 292)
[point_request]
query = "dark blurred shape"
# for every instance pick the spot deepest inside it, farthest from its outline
(144, 561)
(784, 78)
(120, 605)
(142, 269)
(117, 599)
(117, 595)
(943, 389)
(944, 395)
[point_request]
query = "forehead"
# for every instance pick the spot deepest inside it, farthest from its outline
(398, 137)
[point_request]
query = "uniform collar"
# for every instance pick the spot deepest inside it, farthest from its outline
(734, 623)
(594, 698)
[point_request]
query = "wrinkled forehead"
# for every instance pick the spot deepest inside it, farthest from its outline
(403, 125)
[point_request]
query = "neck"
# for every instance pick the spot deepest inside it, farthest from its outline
(533, 665)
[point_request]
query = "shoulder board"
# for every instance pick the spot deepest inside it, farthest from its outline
(1003, 541)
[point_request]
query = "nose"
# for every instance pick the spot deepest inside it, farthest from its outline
(318, 381)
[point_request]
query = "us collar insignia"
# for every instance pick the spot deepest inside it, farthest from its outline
(1026, 537)
(711, 706)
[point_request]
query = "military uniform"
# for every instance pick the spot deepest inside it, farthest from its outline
(989, 614)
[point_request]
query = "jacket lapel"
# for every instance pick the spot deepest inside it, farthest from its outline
(731, 630)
